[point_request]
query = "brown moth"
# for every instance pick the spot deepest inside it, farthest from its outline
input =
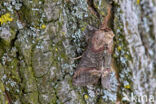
(96, 60)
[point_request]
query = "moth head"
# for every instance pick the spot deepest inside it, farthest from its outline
(101, 38)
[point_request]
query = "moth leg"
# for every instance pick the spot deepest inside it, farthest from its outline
(76, 58)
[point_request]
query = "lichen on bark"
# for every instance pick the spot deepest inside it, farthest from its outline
(38, 45)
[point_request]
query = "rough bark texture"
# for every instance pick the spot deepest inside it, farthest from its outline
(39, 38)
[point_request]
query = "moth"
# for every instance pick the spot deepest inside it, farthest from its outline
(95, 63)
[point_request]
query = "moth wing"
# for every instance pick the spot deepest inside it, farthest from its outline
(106, 79)
(86, 76)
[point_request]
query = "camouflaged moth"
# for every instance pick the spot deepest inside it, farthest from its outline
(96, 60)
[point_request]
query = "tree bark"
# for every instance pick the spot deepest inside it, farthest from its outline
(39, 40)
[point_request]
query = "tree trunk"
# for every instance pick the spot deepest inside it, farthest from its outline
(39, 40)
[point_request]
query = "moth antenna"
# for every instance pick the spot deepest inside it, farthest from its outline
(106, 19)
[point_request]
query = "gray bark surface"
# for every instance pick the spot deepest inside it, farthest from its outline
(40, 38)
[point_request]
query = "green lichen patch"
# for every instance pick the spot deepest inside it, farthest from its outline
(46, 90)
(29, 10)
(3, 47)
(11, 79)
(66, 94)
(28, 83)
(7, 35)
(30, 98)
(2, 87)
(122, 56)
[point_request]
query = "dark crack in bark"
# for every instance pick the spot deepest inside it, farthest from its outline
(93, 9)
